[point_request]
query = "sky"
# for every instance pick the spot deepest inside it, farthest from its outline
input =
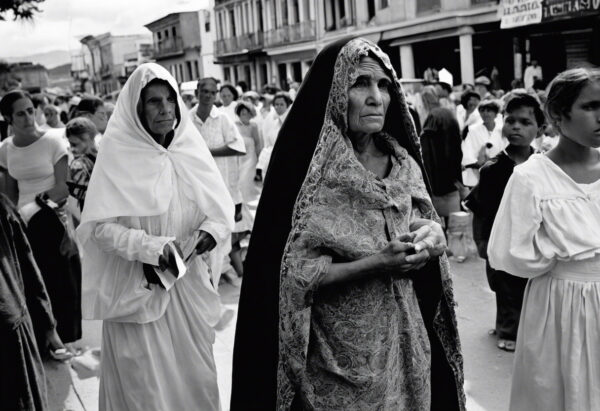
(62, 22)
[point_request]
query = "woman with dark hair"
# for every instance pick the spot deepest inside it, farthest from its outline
(442, 157)
(156, 206)
(347, 300)
(36, 182)
(281, 104)
(229, 96)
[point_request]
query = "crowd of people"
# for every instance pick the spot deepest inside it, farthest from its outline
(134, 213)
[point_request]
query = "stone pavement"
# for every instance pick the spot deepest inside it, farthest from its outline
(487, 369)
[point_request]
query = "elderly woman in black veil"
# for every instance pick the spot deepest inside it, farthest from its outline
(347, 299)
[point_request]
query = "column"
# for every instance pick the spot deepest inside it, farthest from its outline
(301, 11)
(467, 70)
(232, 74)
(311, 10)
(274, 73)
(255, 16)
(289, 71)
(290, 12)
(305, 68)
(228, 31)
(407, 61)
(518, 58)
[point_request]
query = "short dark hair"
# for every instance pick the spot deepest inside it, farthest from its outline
(6, 103)
(517, 99)
(89, 104)
(245, 105)
(203, 80)
(284, 95)
(232, 89)
(79, 126)
(489, 104)
(38, 99)
(445, 86)
(467, 95)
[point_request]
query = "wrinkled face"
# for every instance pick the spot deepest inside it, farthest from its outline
(488, 116)
(583, 122)
(81, 144)
(207, 93)
(280, 105)
(368, 98)
(159, 104)
(23, 116)
(245, 116)
(520, 126)
(100, 118)
(226, 96)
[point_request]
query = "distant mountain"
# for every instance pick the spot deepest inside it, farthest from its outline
(49, 59)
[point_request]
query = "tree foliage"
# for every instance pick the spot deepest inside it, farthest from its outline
(20, 9)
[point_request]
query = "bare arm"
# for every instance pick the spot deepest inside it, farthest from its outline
(389, 261)
(256, 138)
(225, 151)
(60, 191)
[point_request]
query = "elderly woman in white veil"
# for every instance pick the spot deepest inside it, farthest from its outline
(156, 206)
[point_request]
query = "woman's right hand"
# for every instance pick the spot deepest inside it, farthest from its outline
(392, 258)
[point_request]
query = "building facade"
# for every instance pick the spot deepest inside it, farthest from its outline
(183, 44)
(275, 41)
(107, 59)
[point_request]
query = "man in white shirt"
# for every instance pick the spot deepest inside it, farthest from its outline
(223, 139)
(483, 141)
(533, 72)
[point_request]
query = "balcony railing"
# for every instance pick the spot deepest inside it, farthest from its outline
(168, 46)
(239, 44)
(303, 31)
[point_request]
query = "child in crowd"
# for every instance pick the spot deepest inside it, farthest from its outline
(547, 229)
(523, 122)
(81, 132)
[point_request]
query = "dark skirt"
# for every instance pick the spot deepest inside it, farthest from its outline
(61, 273)
(22, 380)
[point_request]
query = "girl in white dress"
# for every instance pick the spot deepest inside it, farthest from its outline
(249, 130)
(155, 199)
(548, 230)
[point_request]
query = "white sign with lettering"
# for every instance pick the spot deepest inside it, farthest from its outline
(517, 13)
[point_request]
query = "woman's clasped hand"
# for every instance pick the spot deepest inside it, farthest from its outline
(411, 251)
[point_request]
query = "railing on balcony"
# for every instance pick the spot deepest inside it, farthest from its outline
(168, 46)
(239, 44)
(303, 31)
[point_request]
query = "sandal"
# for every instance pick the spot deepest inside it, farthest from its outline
(506, 345)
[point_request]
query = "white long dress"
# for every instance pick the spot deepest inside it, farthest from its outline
(548, 229)
(166, 364)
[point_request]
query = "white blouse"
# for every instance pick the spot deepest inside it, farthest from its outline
(544, 217)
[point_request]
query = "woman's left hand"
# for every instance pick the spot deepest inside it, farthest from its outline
(206, 242)
(429, 241)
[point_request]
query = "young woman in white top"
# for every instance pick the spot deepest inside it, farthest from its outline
(36, 162)
(548, 230)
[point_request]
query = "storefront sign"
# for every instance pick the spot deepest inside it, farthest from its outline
(560, 9)
(517, 13)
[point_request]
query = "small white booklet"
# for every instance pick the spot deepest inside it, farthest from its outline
(166, 277)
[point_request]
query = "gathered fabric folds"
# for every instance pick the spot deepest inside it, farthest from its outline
(133, 176)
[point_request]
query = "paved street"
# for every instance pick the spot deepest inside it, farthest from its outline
(487, 369)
